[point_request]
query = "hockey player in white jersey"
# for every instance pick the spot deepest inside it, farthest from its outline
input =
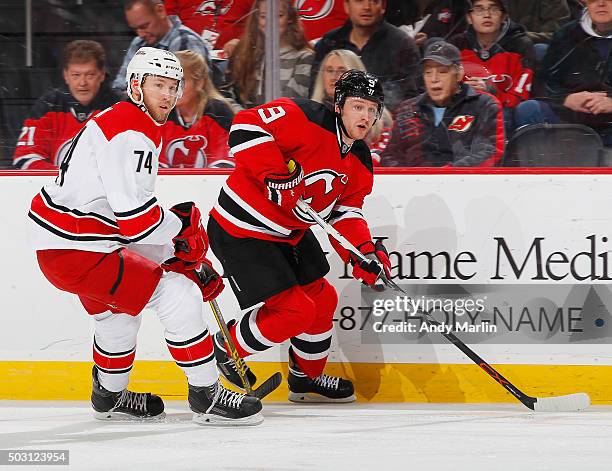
(100, 233)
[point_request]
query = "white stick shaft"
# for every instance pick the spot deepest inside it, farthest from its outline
(330, 230)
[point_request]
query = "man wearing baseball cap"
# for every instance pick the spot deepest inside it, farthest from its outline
(451, 124)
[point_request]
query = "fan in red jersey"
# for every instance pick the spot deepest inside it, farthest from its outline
(100, 233)
(320, 16)
(195, 135)
(60, 113)
(264, 242)
(217, 21)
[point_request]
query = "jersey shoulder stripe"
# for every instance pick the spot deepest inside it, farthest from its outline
(126, 116)
(320, 115)
(317, 113)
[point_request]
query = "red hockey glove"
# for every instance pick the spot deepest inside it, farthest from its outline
(285, 190)
(205, 277)
(378, 259)
(191, 244)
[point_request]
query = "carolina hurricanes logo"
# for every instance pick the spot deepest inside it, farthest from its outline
(323, 188)
(444, 16)
(314, 9)
(462, 123)
(187, 152)
(209, 7)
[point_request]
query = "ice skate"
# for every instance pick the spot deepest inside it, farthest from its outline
(323, 388)
(216, 405)
(124, 405)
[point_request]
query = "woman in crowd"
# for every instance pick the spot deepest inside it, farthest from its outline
(332, 67)
(196, 132)
(246, 65)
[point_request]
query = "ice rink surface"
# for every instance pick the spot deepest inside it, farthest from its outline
(412, 437)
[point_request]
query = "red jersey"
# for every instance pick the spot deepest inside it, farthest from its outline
(320, 16)
(223, 17)
(263, 140)
(56, 118)
(201, 145)
(507, 66)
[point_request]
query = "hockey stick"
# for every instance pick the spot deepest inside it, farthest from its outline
(567, 403)
(343, 241)
(268, 385)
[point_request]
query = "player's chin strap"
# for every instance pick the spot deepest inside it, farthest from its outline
(344, 131)
(140, 104)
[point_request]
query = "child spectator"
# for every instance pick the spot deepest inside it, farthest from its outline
(246, 65)
(497, 55)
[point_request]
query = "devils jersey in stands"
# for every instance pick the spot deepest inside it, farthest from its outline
(507, 65)
(217, 21)
(103, 197)
(56, 117)
(263, 140)
(320, 16)
(201, 144)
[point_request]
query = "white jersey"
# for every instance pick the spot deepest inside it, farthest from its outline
(104, 196)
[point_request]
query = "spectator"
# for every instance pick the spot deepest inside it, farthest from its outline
(497, 55)
(451, 124)
(218, 21)
(541, 18)
(576, 8)
(446, 18)
(385, 50)
(578, 74)
(246, 66)
(60, 113)
(197, 130)
(333, 66)
(320, 17)
(148, 18)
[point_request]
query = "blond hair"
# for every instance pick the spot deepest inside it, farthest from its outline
(195, 67)
(350, 60)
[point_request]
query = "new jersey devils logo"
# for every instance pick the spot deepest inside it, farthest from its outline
(501, 81)
(444, 16)
(323, 188)
(209, 7)
(461, 123)
(314, 9)
(187, 152)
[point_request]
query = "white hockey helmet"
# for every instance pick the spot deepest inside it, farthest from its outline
(152, 61)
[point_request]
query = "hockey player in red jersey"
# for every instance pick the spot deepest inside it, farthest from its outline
(264, 242)
(100, 233)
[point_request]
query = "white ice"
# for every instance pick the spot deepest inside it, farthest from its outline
(411, 437)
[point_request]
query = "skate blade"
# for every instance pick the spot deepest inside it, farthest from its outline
(123, 417)
(317, 398)
(218, 421)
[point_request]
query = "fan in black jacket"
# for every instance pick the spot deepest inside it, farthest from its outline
(578, 74)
